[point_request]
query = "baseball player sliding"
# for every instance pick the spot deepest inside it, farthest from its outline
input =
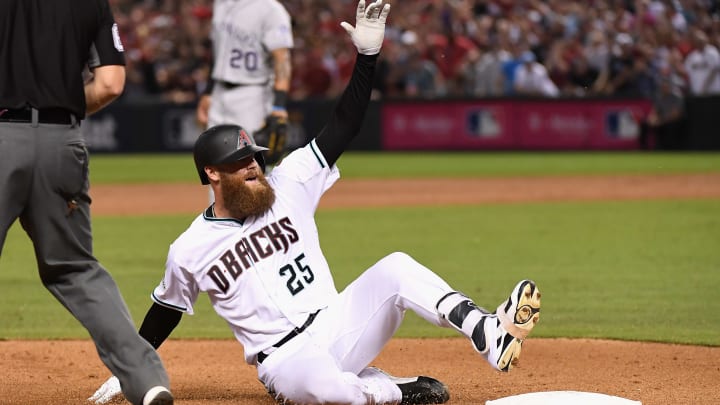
(257, 255)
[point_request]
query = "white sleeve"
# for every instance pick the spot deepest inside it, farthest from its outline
(305, 174)
(177, 290)
(278, 29)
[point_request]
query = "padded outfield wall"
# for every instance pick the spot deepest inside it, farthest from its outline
(478, 124)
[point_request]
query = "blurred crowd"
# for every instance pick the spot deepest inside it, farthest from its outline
(451, 48)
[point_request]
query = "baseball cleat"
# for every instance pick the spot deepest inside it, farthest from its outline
(505, 330)
(423, 390)
(420, 390)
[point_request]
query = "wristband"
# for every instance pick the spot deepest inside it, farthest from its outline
(280, 99)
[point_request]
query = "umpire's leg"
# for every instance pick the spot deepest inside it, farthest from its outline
(57, 219)
(16, 156)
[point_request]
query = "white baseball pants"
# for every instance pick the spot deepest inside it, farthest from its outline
(327, 362)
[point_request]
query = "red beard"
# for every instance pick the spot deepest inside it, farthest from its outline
(242, 201)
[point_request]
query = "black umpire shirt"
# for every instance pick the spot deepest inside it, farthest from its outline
(46, 44)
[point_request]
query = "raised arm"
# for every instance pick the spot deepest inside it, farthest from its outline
(347, 118)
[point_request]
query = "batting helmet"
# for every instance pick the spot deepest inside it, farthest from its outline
(225, 144)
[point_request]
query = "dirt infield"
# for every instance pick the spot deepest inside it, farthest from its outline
(183, 198)
(67, 372)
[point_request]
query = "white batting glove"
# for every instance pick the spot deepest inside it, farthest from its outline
(369, 30)
(109, 390)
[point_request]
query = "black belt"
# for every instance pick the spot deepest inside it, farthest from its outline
(231, 85)
(262, 355)
(45, 115)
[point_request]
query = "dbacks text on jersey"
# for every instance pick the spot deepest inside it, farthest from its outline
(259, 245)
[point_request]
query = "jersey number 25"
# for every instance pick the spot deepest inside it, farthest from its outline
(296, 284)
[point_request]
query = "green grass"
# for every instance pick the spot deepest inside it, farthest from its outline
(639, 270)
(633, 270)
(180, 167)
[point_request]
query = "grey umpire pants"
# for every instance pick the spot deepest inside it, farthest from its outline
(44, 183)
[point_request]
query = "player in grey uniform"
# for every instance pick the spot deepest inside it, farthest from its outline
(251, 70)
(256, 253)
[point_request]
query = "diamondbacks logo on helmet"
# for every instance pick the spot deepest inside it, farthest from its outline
(243, 139)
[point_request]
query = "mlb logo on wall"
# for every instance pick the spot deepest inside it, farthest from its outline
(621, 124)
(483, 123)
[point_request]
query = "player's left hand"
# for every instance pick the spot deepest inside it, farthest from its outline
(369, 30)
(107, 392)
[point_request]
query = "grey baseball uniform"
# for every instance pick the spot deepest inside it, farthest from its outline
(244, 34)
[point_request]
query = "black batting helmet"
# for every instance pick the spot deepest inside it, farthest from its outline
(225, 144)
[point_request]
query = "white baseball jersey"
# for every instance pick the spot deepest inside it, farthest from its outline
(243, 34)
(265, 274)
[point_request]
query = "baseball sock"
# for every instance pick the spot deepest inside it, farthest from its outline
(465, 316)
